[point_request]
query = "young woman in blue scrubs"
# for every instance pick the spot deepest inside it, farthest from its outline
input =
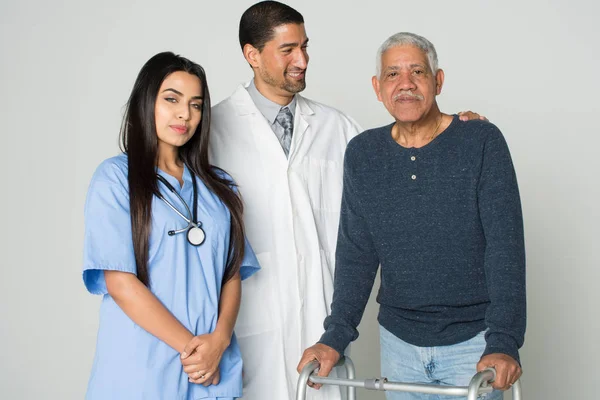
(169, 306)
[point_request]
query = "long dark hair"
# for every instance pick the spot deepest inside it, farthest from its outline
(139, 140)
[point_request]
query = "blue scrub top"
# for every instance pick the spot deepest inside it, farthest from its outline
(130, 363)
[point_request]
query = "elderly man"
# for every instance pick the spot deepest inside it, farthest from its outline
(435, 202)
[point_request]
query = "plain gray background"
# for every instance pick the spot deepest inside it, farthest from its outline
(67, 69)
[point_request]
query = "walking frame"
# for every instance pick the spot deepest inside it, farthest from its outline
(480, 383)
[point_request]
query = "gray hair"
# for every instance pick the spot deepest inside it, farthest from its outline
(410, 39)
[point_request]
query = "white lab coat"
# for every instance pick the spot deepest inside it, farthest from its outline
(292, 209)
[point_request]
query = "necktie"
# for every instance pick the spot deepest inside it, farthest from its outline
(286, 120)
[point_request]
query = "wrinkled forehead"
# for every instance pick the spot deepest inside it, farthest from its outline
(403, 55)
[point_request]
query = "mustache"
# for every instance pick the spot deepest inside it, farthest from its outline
(407, 93)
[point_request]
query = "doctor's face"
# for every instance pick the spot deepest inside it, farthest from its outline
(178, 108)
(281, 65)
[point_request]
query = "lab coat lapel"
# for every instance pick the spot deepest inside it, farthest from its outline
(264, 138)
(302, 118)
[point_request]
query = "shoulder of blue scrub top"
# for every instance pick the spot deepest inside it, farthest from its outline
(113, 170)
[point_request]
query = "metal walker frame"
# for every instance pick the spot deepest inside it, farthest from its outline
(479, 383)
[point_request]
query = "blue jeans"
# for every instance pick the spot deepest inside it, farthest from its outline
(452, 365)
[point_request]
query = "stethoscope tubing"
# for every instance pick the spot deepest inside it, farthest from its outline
(193, 225)
(167, 202)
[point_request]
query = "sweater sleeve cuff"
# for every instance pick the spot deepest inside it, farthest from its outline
(501, 343)
(337, 337)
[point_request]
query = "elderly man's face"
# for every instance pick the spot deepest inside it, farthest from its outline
(406, 86)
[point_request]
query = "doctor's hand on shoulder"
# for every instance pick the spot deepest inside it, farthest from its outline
(326, 356)
(201, 357)
(470, 115)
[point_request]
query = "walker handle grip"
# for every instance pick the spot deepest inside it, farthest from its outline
(484, 378)
(312, 367)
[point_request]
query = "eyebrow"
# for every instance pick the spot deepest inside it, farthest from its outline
(181, 94)
(292, 44)
(396, 68)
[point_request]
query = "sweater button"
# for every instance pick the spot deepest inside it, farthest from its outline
(413, 177)
(413, 158)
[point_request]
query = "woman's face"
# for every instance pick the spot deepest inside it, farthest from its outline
(178, 108)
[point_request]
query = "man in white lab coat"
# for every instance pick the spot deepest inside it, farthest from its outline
(285, 152)
(291, 188)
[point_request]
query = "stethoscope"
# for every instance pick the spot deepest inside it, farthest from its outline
(195, 233)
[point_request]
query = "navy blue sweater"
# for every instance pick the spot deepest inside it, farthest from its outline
(444, 222)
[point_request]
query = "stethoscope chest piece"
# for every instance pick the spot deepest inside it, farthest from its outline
(196, 235)
(194, 232)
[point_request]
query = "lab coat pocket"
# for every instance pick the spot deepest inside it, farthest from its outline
(257, 305)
